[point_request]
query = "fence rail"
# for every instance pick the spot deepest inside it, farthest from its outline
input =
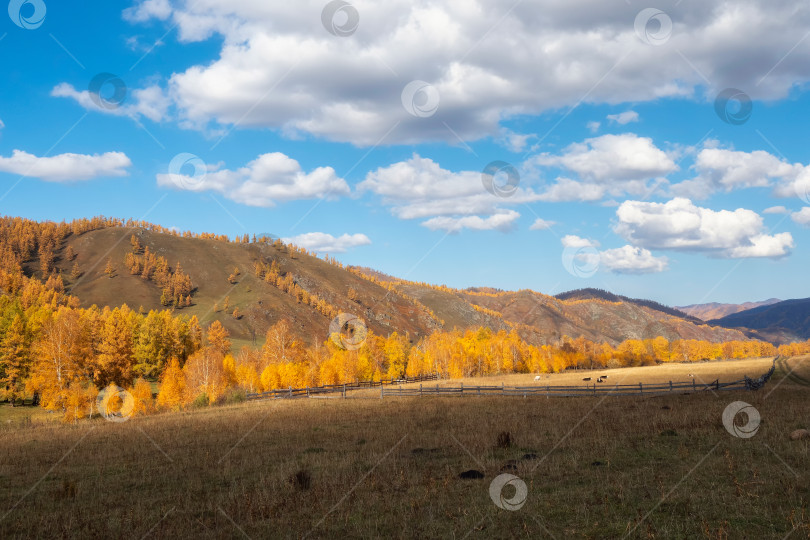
(564, 391)
(320, 391)
(594, 389)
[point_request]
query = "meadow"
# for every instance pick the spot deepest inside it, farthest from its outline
(605, 467)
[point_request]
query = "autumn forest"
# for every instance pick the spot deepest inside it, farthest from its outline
(58, 355)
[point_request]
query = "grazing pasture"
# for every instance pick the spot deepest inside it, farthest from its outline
(590, 467)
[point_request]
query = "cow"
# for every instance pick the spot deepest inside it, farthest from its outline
(586, 379)
(537, 378)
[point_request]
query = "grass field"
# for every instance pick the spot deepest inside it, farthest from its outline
(662, 467)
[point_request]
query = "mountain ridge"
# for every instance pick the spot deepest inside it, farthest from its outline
(249, 285)
(717, 310)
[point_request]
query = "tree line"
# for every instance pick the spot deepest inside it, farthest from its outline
(60, 356)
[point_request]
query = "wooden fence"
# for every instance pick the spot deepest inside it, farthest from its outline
(639, 389)
(324, 391)
(595, 389)
(393, 388)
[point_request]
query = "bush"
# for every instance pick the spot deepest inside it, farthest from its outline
(200, 401)
(236, 396)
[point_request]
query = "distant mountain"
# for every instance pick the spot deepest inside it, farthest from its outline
(783, 321)
(715, 310)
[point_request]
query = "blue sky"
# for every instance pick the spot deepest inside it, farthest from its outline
(366, 138)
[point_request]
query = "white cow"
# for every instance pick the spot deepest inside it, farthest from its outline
(537, 378)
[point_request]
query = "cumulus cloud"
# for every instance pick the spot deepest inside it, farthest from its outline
(326, 243)
(574, 241)
(502, 221)
(419, 188)
(608, 164)
(623, 118)
(612, 158)
(623, 260)
(150, 102)
(681, 225)
(799, 186)
(277, 61)
(65, 167)
(775, 210)
(265, 181)
(802, 217)
(726, 170)
(541, 224)
(632, 260)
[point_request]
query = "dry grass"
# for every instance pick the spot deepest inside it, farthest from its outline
(704, 372)
(660, 467)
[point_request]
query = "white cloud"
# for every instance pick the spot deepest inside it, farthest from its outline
(609, 164)
(799, 186)
(540, 56)
(150, 102)
(802, 217)
(623, 118)
(593, 126)
(2, 125)
(265, 181)
(419, 188)
(680, 225)
(148, 9)
(514, 142)
(775, 210)
(632, 260)
(541, 224)
(502, 221)
(574, 241)
(326, 243)
(565, 189)
(65, 167)
(725, 170)
(611, 158)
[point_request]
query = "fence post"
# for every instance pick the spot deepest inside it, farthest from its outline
(503, 389)
(641, 387)
(547, 389)
(307, 391)
(670, 386)
(462, 389)
(382, 389)
(291, 392)
(594, 388)
(694, 387)
(420, 389)
(344, 391)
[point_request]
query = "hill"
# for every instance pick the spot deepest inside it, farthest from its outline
(310, 291)
(715, 310)
(784, 321)
(600, 294)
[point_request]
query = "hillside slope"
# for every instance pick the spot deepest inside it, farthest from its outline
(210, 262)
(784, 321)
(715, 310)
(385, 303)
